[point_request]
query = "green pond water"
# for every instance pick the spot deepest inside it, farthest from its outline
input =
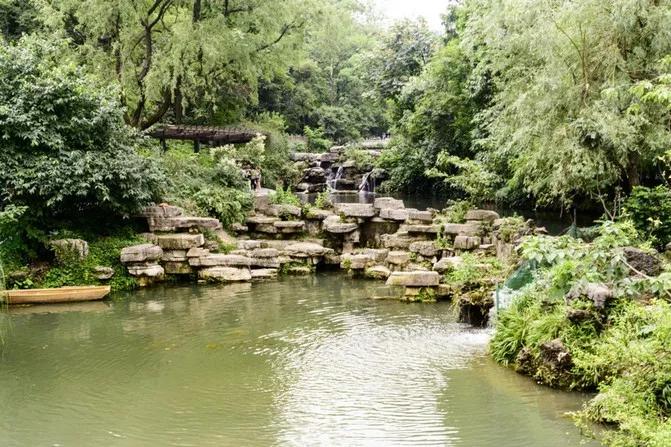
(298, 362)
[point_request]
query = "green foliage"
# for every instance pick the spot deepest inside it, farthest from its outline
(200, 61)
(510, 227)
(273, 162)
(283, 196)
(210, 182)
(456, 211)
(362, 158)
(650, 210)
(330, 89)
(469, 177)
(433, 115)
(17, 17)
(618, 348)
(66, 150)
(561, 126)
(103, 251)
(405, 49)
(474, 272)
(317, 141)
(323, 200)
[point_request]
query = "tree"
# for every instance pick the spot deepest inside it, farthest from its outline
(329, 89)
(561, 127)
(187, 58)
(66, 150)
(405, 49)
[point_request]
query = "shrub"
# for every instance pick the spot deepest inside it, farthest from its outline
(66, 150)
(283, 196)
(650, 210)
(210, 182)
(317, 142)
(323, 200)
(362, 158)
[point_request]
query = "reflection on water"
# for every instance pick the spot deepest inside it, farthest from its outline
(304, 361)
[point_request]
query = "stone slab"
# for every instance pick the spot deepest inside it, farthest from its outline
(414, 279)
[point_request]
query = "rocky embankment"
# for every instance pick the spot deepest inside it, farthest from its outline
(333, 171)
(410, 249)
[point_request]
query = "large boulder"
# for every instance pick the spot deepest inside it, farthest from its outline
(447, 263)
(363, 210)
(467, 229)
(598, 293)
(218, 260)
(398, 257)
(284, 210)
(70, 249)
(162, 210)
(377, 272)
(141, 253)
(225, 274)
(482, 215)
(420, 216)
(314, 175)
(414, 279)
(378, 254)
(356, 262)
(425, 229)
(265, 253)
(174, 256)
(428, 249)
(463, 242)
(290, 226)
(399, 214)
(180, 241)
(388, 203)
(333, 224)
(182, 223)
(306, 250)
(154, 271)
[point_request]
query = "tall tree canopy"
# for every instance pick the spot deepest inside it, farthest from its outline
(200, 59)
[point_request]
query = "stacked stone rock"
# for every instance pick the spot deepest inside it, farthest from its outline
(319, 168)
(384, 240)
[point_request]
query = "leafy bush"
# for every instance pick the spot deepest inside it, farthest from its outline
(317, 142)
(276, 165)
(650, 210)
(208, 183)
(456, 211)
(66, 150)
(103, 251)
(323, 200)
(618, 347)
(362, 158)
(283, 196)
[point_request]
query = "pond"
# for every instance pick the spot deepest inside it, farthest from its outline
(297, 362)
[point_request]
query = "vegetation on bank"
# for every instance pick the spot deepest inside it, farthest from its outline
(597, 317)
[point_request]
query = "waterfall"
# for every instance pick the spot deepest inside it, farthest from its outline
(366, 181)
(332, 182)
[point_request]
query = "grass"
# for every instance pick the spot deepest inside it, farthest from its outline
(620, 350)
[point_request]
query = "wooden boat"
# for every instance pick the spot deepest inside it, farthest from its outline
(56, 295)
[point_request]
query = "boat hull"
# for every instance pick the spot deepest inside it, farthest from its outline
(58, 295)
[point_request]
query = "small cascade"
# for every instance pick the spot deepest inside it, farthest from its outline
(367, 183)
(332, 181)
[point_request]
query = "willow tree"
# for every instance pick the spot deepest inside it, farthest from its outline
(564, 124)
(190, 58)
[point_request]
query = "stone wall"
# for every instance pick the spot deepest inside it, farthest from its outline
(408, 248)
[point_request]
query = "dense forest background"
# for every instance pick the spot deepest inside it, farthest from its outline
(556, 104)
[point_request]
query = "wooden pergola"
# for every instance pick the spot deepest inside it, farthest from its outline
(213, 135)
